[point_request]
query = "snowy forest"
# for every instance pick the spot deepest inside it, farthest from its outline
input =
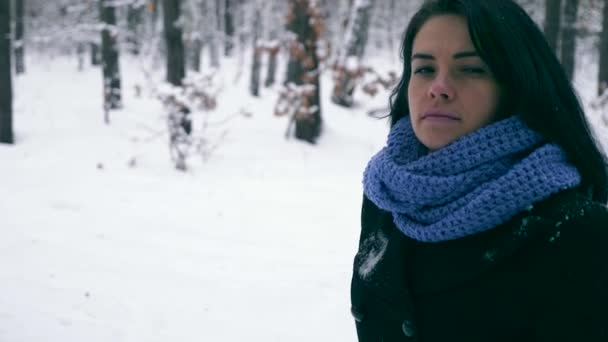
(193, 41)
(190, 170)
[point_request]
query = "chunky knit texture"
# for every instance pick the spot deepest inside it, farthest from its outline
(473, 184)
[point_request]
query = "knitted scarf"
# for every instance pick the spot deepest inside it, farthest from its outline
(475, 183)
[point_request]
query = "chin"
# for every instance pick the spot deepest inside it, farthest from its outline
(434, 144)
(435, 138)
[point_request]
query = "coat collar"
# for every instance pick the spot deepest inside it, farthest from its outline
(435, 267)
(441, 266)
(410, 266)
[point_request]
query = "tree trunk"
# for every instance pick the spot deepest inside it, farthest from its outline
(211, 29)
(377, 25)
(152, 17)
(254, 84)
(568, 46)
(240, 23)
(335, 12)
(196, 47)
(390, 28)
(352, 53)
(220, 9)
(229, 13)
(304, 21)
(271, 68)
(80, 50)
(6, 87)
(134, 21)
(174, 42)
(95, 54)
(273, 43)
(194, 12)
(18, 44)
(553, 20)
(603, 68)
(109, 56)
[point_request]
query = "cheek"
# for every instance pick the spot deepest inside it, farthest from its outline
(412, 96)
(486, 102)
(492, 104)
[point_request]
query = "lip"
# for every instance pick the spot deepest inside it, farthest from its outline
(437, 114)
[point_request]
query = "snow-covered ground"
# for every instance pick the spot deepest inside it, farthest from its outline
(256, 244)
(103, 240)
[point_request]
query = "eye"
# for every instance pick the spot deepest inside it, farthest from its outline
(424, 70)
(474, 70)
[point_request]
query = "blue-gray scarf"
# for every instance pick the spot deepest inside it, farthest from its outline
(473, 184)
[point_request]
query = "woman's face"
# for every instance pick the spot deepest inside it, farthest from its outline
(451, 92)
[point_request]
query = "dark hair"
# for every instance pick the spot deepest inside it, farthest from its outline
(533, 81)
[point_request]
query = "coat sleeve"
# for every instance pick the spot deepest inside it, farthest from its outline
(574, 303)
(381, 305)
(365, 332)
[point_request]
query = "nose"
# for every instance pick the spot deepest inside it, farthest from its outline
(441, 88)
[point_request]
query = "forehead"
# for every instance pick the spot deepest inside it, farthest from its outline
(447, 32)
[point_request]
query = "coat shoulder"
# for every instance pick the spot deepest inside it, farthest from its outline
(575, 218)
(579, 234)
(575, 271)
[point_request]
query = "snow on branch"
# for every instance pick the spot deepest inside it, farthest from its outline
(347, 76)
(189, 109)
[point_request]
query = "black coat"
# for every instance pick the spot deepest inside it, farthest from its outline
(542, 276)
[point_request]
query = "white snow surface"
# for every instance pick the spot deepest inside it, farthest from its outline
(255, 244)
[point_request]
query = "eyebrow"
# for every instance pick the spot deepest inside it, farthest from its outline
(457, 55)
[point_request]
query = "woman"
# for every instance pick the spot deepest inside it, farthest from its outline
(483, 217)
